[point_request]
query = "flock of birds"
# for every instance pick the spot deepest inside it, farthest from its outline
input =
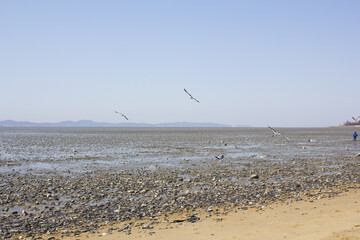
(191, 97)
(274, 131)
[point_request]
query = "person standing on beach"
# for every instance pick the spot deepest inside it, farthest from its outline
(355, 135)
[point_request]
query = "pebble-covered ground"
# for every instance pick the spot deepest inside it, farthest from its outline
(47, 187)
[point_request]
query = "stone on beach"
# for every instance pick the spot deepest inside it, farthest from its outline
(254, 176)
(76, 202)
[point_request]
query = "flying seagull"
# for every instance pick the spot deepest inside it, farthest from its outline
(122, 115)
(275, 132)
(356, 119)
(191, 97)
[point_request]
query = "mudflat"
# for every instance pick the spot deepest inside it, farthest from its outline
(70, 182)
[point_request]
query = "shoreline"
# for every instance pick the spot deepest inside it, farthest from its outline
(48, 187)
(322, 217)
(143, 198)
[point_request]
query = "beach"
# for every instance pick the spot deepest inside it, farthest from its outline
(73, 183)
(322, 219)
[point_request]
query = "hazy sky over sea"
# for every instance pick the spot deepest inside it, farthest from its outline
(278, 63)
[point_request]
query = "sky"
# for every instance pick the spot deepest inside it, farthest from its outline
(279, 63)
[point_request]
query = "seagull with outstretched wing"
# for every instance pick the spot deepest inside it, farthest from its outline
(356, 119)
(122, 115)
(191, 97)
(275, 132)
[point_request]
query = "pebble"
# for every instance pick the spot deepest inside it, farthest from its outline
(254, 176)
(82, 203)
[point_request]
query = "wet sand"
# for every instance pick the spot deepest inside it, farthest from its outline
(324, 219)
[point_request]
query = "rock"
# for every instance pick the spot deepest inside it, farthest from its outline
(147, 226)
(254, 176)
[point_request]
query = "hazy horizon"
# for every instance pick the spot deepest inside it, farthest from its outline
(91, 123)
(278, 63)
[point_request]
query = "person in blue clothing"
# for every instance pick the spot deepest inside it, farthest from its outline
(355, 135)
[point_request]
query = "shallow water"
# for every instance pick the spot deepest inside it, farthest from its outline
(76, 150)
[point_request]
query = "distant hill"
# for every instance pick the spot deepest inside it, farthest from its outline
(89, 123)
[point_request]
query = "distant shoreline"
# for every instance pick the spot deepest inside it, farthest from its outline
(89, 123)
(349, 126)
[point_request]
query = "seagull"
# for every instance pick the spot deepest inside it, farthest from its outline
(356, 119)
(191, 97)
(122, 115)
(219, 158)
(275, 132)
(74, 151)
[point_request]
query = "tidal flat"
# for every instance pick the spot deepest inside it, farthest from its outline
(69, 181)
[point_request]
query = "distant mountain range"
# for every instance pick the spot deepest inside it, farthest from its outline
(89, 123)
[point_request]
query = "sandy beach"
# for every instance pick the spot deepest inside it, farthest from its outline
(322, 219)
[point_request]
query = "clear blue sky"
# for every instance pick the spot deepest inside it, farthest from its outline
(278, 63)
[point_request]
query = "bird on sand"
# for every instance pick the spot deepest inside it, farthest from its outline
(74, 151)
(122, 115)
(275, 132)
(191, 97)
